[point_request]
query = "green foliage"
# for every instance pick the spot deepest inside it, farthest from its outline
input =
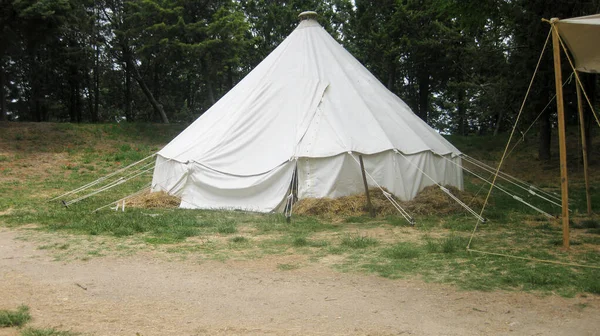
(16, 318)
(453, 62)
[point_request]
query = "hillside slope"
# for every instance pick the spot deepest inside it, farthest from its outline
(80, 152)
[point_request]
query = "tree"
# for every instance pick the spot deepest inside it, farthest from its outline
(405, 44)
(530, 34)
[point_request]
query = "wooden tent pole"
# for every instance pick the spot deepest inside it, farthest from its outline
(584, 149)
(561, 134)
(364, 176)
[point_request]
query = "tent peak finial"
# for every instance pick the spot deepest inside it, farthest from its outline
(308, 15)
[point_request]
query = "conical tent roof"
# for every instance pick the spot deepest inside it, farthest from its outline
(307, 101)
(308, 98)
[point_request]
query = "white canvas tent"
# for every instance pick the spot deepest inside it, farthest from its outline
(299, 120)
(582, 34)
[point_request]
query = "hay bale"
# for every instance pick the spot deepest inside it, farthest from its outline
(430, 201)
(148, 200)
(433, 201)
(347, 206)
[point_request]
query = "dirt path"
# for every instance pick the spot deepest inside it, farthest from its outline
(147, 295)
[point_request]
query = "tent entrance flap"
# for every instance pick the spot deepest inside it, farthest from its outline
(209, 189)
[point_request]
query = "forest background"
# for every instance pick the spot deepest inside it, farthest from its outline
(463, 66)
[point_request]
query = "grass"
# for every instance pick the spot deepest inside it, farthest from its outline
(587, 224)
(226, 227)
(20, 317)
(434, 250)
(402, 251)
(358, 242)
(305, 242)
(14, 318)
(239, 239)
(46, 332)
(300, 241)
(287, 267)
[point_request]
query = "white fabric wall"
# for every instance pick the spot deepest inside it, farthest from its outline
(210, 189)
(202, 187)
(169, 176)
(341, 176)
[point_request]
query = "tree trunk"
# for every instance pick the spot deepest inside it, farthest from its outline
(73, 93)
(230, 78)
(35, 105)
(78, 105)
(462, 113)
(211, 92)
(128, 74)
(3, 111)
(71, 102)
(544, 152)
(95, 112)
(89, 83)
(158, 108)
(209, 82)
(391, 80)
(156, 81)
(498, 122)
(36, 102)
(423, 95)
(589, 84)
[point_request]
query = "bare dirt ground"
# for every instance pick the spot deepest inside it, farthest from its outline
(145, 294)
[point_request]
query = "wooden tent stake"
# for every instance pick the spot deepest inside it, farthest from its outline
(364, 176)
(584, 149)
(561, 134)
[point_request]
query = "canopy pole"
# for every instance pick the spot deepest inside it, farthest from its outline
(561, 134)
(364, 176)
(584, 148)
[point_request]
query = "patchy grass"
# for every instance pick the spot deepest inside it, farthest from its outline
(14, 318)
(587, 224)
(239, 239)
(19, 317)
(402, 251)
(41, 161)
(46, 332)
(287, 267)
(358, 242)
(305, 242)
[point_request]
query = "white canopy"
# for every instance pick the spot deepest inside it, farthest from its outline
(304, 111)
(582, 37)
